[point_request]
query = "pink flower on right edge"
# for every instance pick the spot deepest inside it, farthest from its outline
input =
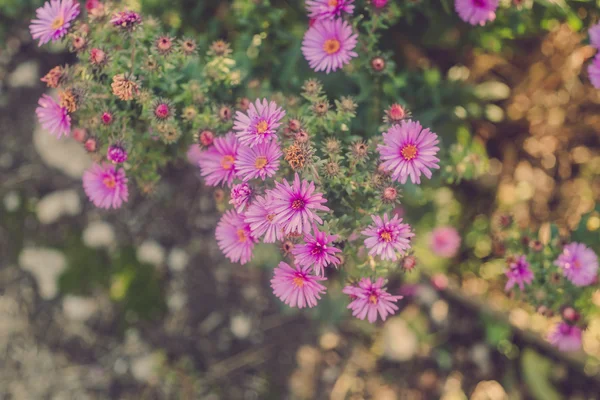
(387, 237)
(234, 237)
(329, 45)
(370, 299)
(409, 150)
(594, 71)
(518, 273)
(444, 241)
(106, 186)
(578, 263)
(566, 337)
(328, 9)
(53, 118)
(476, 12)
(297, 286)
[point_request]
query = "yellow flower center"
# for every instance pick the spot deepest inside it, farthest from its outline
(409, 152)
(331, 46)
(261, 162)
(270, 217)
(242, 235)
(333, 3)
(299, 281)
(58, 22)
(298, 204)
(373, 299)
(262, 126)
(576, 264)
(227, 162)
(109, 182)
(386, 236)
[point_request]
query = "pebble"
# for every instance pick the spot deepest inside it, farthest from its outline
(151, 252)
(400, 343)
(99, 234)
(45, 265)
(25, 75)
(58, 204)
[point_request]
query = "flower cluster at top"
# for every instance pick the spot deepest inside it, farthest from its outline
(299, 178)
(136, 99)
(555, 277)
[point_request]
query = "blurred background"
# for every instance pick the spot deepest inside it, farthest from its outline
(140, 303)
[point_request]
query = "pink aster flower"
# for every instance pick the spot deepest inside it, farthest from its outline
(53, 20)
(578, 263)
(295, 205)
(260, 124)
(370, 299)
(328, 9)
(106, 186)
(235, 238)
(476, 12)
(240, 196)
(328, 45)
(53, 118)
(261, 220)
(317, 251)
(297, 287)
(444, 241)
(409, 150)
(126, 20)
(594, 71)
(387, 237)
(260, 161)
(518, 273)
(566, 337)
(594, 33)
(217, 164)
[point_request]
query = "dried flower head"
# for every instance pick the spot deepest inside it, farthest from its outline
(70, 99)
(169, 133)
(297, 155)
(332, 169)
(54, 77)
(125, 86)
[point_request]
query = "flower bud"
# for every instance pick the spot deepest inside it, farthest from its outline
(409, 263)
(378, 64)
(570, 315)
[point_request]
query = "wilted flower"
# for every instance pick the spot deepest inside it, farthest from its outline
(53, 20)
(54, 77)
(297, 155)
(124, 87)
(69, 99)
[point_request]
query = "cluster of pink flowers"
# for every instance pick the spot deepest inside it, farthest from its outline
(271, 208)
(329, 42)
(104, 184)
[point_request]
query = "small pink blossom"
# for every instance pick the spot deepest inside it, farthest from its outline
(444, 241)
(370, 299)
(566, 337)
(518, 273)
(387, 237)
(297, 287)
(53, 118)
(106, 186)
(578, 263)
